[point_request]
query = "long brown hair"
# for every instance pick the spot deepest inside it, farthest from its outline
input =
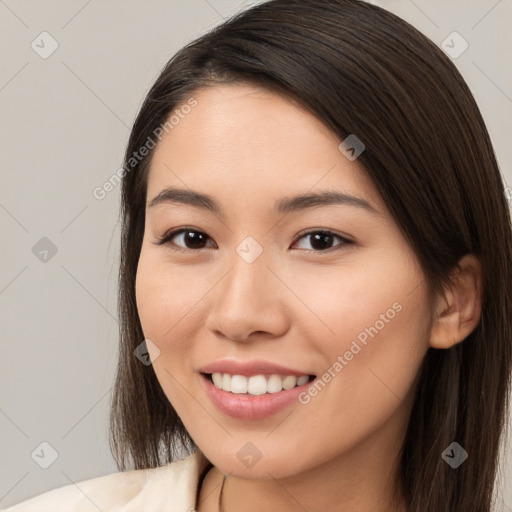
(361, 70)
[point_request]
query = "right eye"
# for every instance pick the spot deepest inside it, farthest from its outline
(191, 236)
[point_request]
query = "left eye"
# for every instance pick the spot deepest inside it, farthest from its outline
(194, 239)
(322, 239)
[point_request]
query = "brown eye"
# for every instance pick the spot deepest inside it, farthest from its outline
(191, 239)
(321, 241)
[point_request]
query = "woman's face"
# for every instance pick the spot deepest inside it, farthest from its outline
(250, 281)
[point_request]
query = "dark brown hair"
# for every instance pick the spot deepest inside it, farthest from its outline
(361, 70)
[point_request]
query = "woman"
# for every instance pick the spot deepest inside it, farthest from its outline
(314, 284)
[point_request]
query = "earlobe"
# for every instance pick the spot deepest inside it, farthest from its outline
(458, 311)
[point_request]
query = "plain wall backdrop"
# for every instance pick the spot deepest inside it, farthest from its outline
(72, 78)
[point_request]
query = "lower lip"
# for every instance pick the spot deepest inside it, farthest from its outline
(251, 407)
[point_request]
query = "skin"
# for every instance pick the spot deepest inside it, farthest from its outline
(295, 304)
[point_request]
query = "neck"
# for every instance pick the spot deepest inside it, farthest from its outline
(313, 491)
(361, 479)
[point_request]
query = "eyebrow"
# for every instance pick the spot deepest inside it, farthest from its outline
(284, 205)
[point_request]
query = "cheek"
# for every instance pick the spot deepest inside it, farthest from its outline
(165, 307)
(163, 300)
(169, 299)
(377, 315)
(377, 295)
(374, 358)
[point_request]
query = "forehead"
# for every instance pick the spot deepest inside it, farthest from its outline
(241, 141)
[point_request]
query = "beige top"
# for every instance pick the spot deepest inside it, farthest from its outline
(170, 488)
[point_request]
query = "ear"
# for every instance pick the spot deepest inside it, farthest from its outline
(458, 311)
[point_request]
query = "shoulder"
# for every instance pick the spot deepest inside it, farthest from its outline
(150, 490)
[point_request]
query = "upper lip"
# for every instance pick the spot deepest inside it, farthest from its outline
(249, 368)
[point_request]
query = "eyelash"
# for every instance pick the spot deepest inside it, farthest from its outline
(167, 237)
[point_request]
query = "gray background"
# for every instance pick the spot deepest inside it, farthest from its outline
(65, 123)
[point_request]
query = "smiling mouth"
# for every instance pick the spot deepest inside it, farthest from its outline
(260, 384)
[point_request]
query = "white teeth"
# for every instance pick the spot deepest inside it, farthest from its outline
(256, 384)
(274, 384)
(238, 384)
(226, 381)
(289, 382)
(217, 380)
(302, 380)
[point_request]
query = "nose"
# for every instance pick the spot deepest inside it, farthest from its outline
(249, 302)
